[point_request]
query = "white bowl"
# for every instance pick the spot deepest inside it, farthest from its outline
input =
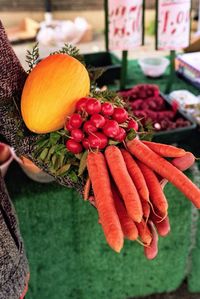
(153, 66)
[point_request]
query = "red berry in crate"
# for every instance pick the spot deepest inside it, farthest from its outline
(74, 147)
(88, 127)
(75, 121)
(98, 140)
(107, 109)
(80, 105)
(86, 143)
(120, 115)
(136, 105)
(98, 120)
(121, 135)
(77, 135)
(93, 106)
(132, 124)
(111, 128)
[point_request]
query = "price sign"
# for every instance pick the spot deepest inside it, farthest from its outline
(173, 31)
(125, 19)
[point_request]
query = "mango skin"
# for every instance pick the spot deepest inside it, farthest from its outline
(51, 92)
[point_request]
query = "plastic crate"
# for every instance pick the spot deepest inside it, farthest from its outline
(104, 60)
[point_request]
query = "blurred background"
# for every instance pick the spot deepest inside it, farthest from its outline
(80, 22)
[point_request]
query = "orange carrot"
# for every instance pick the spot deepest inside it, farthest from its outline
(104, 200)
(165, 150)
(157, 196)
(128, 226)
(136, 175)
(163, 227)
(86, 190)
(124, 182)
(184, 162)
(165, 169)
(152, 250)
(145, 208)
(144, 232)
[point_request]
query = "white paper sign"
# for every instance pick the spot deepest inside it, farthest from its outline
(125, 24)
(173, 24)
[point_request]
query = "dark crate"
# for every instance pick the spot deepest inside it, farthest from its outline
(104, 60)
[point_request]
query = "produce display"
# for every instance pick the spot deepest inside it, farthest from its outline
(148, 105)
(94, 140)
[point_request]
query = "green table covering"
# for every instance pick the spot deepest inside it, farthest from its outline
(67, 252)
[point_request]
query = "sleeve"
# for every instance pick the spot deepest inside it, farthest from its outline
(14, 271)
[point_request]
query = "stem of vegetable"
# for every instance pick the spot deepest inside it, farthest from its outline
(123, 70)
(106, 24)
(172, 71)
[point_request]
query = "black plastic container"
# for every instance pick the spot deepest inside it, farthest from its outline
(104, 60)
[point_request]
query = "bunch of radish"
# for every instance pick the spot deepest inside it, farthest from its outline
(127, 184)
(147, 104)
(95, 124)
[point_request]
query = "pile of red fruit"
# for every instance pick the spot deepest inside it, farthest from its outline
(94, 124)
(147, 105)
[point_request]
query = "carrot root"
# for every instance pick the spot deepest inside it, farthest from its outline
(152, 250)
(124, 182)
(100, 179)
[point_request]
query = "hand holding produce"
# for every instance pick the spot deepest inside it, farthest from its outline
(95, 140)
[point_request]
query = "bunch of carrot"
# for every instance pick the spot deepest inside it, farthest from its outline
(128, 190)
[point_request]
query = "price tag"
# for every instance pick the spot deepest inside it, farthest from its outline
(125, 24)
(173, 31)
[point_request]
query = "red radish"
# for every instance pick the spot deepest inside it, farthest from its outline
(80, 105)
(88, 127)
(121, 135)
(111, 128)
(68, 126)
(74, 146)
(98, 120)
(152, 250)
(98, 140)
(4, 153)
(86, 143)
(107, 109)
(75, 120)
(132, 124)
(120, 115)
(93, 106)
(77, 135)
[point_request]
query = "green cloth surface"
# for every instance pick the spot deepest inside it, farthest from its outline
(67, 252)
(69, 257)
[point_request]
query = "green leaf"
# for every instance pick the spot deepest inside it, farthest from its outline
(44, 154)
(50, 153)
(73, 176)
(54, 137)
(63, 169)
(42, 142)
(113, 142)
(132, 134)
(83, 163)
(53, 159)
